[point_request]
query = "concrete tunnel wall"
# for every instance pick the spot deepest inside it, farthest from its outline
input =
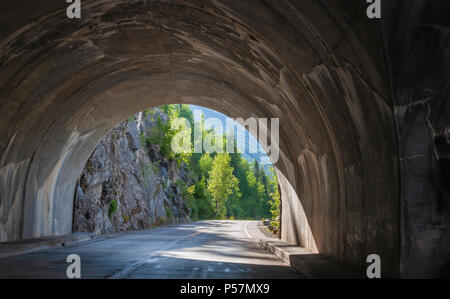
(319, 66)
(418, 50)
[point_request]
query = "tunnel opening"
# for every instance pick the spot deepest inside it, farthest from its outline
(138, 178)
(110, 64)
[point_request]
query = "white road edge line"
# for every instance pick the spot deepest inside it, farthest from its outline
(246, 231)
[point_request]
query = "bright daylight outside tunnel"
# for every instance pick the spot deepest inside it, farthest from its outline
(107, 171)
(137, 178)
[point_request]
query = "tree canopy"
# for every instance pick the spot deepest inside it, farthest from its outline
(225, 185)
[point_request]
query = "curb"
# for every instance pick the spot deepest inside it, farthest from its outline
(16, 248)
(263, 229)
(313, 265)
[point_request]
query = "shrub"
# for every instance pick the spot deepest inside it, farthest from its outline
(125, 218)
(150, 112)
(113, 206)
(169, 212)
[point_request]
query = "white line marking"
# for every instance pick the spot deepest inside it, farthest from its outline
(246, 231)
(151, 257)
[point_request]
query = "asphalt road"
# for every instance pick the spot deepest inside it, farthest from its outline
(207, 249)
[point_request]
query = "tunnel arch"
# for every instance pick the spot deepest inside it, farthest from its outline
(313, 64)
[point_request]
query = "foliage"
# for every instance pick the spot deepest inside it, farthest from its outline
(148, 112)
(274, 199)
(205, 163)
(113, 206)
(172, 132)
(125, 218)
(199, 203)
(222, 183)
(169, 212)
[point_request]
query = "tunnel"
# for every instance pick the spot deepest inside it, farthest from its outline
(360, 102)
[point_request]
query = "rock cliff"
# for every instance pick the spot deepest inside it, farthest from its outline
(127, 184)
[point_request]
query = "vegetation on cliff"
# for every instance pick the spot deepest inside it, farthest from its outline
(135, 180)
(225, 185)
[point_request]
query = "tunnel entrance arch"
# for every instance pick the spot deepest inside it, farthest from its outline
(69, 82)
(137, 178)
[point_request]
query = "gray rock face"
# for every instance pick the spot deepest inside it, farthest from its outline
(127, 184)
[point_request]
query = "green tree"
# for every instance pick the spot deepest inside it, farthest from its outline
(205, 163)
(222, 183)
(274, 198)
(173, 132)
(240, 207)
(263, 204)
(252, 194)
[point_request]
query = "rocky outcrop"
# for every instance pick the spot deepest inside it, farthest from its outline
(127, 184)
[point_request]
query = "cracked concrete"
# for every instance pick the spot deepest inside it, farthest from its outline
(419, 55)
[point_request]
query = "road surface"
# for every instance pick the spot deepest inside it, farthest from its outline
(207, 249)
